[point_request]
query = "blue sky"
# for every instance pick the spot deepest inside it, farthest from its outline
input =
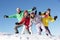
(8, 7)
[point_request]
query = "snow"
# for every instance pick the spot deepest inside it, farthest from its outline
(27, 37)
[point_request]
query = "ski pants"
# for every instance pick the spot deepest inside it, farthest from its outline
(25, 31)
(39, 28)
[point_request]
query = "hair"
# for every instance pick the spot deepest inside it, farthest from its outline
(25, 11)
(32, 13)
(49, 9)
(36, 12)
(31, 16)
(39, 13)
(45, 13)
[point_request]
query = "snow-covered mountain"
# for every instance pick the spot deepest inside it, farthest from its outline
(26, 37)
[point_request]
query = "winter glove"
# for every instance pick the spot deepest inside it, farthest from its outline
(17, 23)
(55, 17)
(39, 13)
(33, 8)
(35, 12)
(5, 16)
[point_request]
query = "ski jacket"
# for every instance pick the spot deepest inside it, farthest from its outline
(37, 19)
(26, 22)
(46, 20)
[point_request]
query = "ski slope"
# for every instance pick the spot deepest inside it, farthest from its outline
(26, 37)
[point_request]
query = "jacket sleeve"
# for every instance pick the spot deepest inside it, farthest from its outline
(22, 21)
(12, 16)
(51, 19)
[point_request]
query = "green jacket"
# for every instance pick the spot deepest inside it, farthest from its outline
(19, 16)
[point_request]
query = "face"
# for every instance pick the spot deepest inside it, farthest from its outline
(32, 15)
(47, 12)
(25, 14)
(18, 10)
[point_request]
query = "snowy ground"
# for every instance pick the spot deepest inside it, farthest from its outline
(26, 37)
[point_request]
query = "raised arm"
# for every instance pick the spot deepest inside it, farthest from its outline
(34, 8)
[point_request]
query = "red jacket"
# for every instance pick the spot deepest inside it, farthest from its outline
(26, 22)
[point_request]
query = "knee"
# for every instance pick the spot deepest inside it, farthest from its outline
(16, 27)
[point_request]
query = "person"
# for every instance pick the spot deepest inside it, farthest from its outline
(25, 21)
(19, 16)
(36, 19)
(41, 18)
(46, 20)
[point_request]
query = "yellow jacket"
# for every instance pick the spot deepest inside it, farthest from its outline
(46, 20)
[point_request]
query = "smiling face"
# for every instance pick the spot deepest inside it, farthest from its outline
(47, 12)
(32, 15)
(25, 13)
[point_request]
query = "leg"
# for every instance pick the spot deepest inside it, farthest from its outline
(16, 28)
(38, 29)
(48, 31)
(42, 27)
(30, 29)
(23, 31)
